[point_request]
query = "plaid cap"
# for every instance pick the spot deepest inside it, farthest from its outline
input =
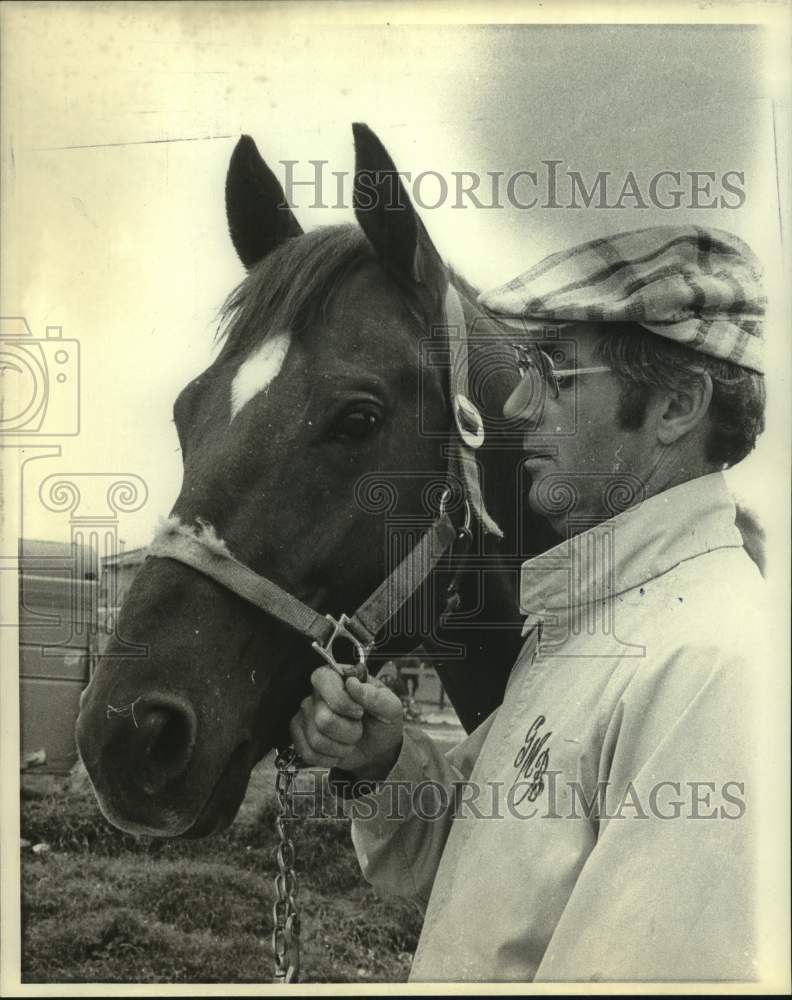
(700, 287)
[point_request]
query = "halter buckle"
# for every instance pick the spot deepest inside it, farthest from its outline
(325, 649)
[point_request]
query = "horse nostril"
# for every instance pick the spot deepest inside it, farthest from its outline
(164, 738)
(168, 735)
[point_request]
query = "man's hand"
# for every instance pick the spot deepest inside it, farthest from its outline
(355, 726)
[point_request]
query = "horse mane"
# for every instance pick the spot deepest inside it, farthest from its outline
(293, 286)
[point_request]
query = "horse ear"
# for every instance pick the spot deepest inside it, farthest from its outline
(258, 217)
(386, 214)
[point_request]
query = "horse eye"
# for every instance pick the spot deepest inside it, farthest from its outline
(357, 425)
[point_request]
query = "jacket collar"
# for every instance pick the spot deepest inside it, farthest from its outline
(626, 551)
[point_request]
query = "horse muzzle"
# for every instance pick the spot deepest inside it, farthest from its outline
(150, 769)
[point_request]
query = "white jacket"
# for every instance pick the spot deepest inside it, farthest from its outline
(641, 702)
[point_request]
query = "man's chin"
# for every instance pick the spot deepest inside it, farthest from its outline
(543, 500)
(554, 499)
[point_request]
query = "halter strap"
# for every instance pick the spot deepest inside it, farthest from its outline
(179, 542)
(468, 420)
(201, 550)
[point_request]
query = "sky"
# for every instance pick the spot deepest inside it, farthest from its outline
(118, 122)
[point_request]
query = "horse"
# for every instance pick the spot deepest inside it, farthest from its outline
(324, 446)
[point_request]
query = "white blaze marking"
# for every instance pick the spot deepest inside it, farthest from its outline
(258, 371)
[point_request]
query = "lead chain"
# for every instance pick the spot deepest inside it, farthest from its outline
(285, 914)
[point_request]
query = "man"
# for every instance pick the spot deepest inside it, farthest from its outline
(600, 823)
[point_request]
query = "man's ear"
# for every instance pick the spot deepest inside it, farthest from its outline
(258, 217)
(679, 411)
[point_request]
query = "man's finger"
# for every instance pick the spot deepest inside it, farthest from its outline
(329, 685)
(304, 748)
(323, 745)
(337, 727)
(376, 699)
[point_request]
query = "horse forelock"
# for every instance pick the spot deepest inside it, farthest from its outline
(293, 286)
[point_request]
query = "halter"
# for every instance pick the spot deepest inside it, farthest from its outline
(181, 543)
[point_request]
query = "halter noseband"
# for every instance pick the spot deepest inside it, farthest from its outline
(183, 544)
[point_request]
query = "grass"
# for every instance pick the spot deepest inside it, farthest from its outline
(101, 906)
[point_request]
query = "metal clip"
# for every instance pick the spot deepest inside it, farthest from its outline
(446, 496)
(340, 629)
(468, 421)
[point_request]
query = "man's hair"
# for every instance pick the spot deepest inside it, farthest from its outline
(644, 361)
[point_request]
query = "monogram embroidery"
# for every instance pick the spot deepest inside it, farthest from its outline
(532, 760)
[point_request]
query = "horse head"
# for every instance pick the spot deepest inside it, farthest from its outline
(316, 418)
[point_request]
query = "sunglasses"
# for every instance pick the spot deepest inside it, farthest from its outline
(540, 378)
